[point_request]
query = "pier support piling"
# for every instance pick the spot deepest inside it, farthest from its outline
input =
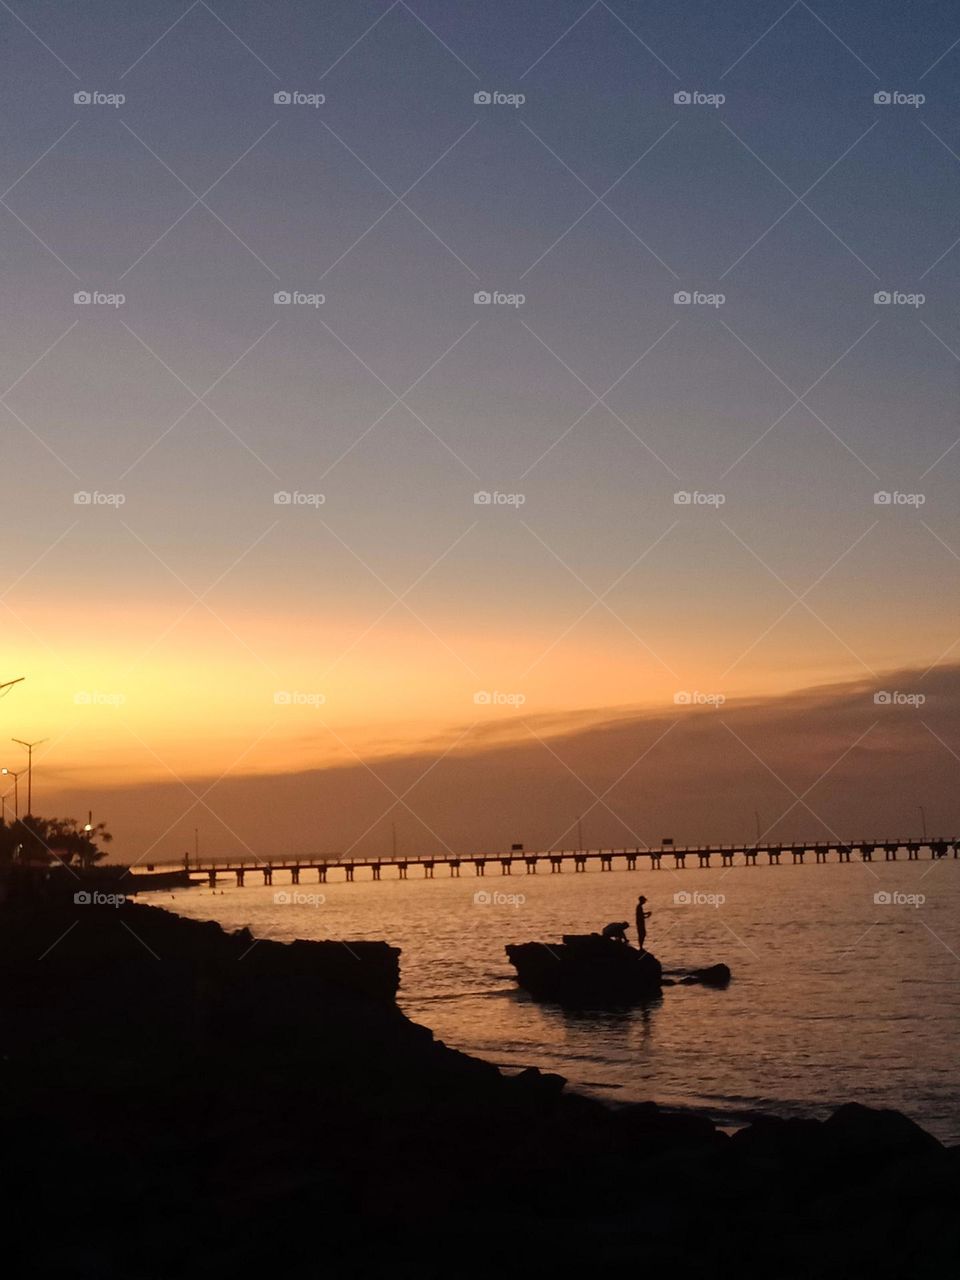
(867, 850)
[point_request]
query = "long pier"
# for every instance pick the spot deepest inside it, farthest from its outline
(528, 862)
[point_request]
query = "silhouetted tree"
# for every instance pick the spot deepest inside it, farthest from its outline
(53, 839)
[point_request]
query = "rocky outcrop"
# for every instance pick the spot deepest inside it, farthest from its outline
(592, 971)
(179, 1102)
(586, 970)
(196, 950)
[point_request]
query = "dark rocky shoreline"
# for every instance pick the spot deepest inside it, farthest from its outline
(177, 1101)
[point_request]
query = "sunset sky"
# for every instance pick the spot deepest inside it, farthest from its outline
(182, 624)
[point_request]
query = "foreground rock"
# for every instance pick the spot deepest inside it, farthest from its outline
(172, 1105)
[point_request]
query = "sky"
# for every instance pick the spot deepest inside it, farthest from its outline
(683, 517)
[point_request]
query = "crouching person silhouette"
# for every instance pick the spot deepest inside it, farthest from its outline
(617, 932)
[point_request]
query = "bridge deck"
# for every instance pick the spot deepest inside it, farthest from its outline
(530, 860)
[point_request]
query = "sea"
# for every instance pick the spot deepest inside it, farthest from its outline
(846, 976)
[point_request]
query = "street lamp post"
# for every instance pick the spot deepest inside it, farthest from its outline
(923, 819)
(29, 746)
(16, 792)
(88, 829)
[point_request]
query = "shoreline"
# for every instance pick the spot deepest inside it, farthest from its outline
(456, 980)
(196, 1076)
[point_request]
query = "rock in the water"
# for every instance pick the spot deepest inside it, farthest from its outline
(586, 969)
(715, 975)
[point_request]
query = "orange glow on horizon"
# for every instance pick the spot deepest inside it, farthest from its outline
(145, 693)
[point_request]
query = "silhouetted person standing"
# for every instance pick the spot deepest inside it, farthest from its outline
(642, 918)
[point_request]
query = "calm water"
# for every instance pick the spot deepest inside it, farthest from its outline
(835, 997)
